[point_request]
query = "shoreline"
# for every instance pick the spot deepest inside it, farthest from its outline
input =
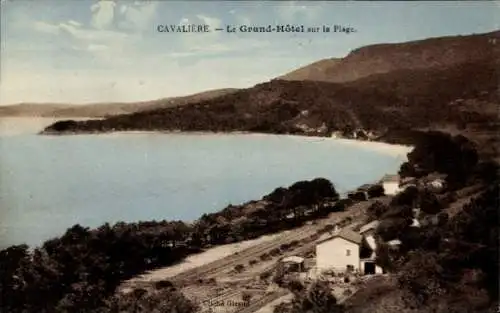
(33, 125)
(375, 146)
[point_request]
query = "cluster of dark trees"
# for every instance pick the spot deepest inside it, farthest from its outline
(162, 299)
(80, 270)
(451, 265)
(397, 216)
(283, 208)
(315, 298)
(363, 194)
(455, 156)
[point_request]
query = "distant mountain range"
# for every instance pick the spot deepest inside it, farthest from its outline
(439, 83)
(414, 55)
(360, 63)
(103, 109)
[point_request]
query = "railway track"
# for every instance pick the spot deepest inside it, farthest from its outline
(227, 295)
(206, 305)
(254, 306)
(252, 252)
(226, 263)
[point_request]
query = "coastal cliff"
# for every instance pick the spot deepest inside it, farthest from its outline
(453, 90)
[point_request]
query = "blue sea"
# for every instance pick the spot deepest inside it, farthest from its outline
(49, 183)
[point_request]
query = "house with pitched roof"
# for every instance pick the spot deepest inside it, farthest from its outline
(346, 250)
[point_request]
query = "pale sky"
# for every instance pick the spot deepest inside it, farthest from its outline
(100, 51)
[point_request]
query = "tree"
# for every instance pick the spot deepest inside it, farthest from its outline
(376, 191)
(164, 300)
(429, 203)
(319, 299)
(488, 171)
(455, 266)
(440, 152)
(376, 210)
(392, 228)
(324, 189)
(398, 211)
(13, 263)
(357, 196)
(277, 195)
(408, 196)
(62, 126)
(385, 257)
(407, 170)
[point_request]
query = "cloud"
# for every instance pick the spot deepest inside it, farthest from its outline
(103, 13)
(138, 16)
(243, 20)
(45, 27)
(102, 46)
(74, 23)
(78, 32)
(210, 21)
(87, 34)
(293, 10)
(94, 47)
(123, 9)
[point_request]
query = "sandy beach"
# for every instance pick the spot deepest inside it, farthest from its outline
(196, 260)
(379, 147)
(382, 147)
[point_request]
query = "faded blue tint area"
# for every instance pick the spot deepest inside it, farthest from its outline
(49, 183)
(107, 51)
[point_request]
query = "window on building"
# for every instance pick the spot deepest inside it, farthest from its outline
(348, 252)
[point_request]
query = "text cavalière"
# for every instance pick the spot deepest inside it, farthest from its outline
(185, 28)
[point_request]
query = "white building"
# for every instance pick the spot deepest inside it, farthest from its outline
(391, 184)
(346, 250)
(339, 252)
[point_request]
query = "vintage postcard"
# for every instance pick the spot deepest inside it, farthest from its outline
(249, 156)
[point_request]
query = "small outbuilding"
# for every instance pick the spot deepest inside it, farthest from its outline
(390, 183)
(292, 264)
